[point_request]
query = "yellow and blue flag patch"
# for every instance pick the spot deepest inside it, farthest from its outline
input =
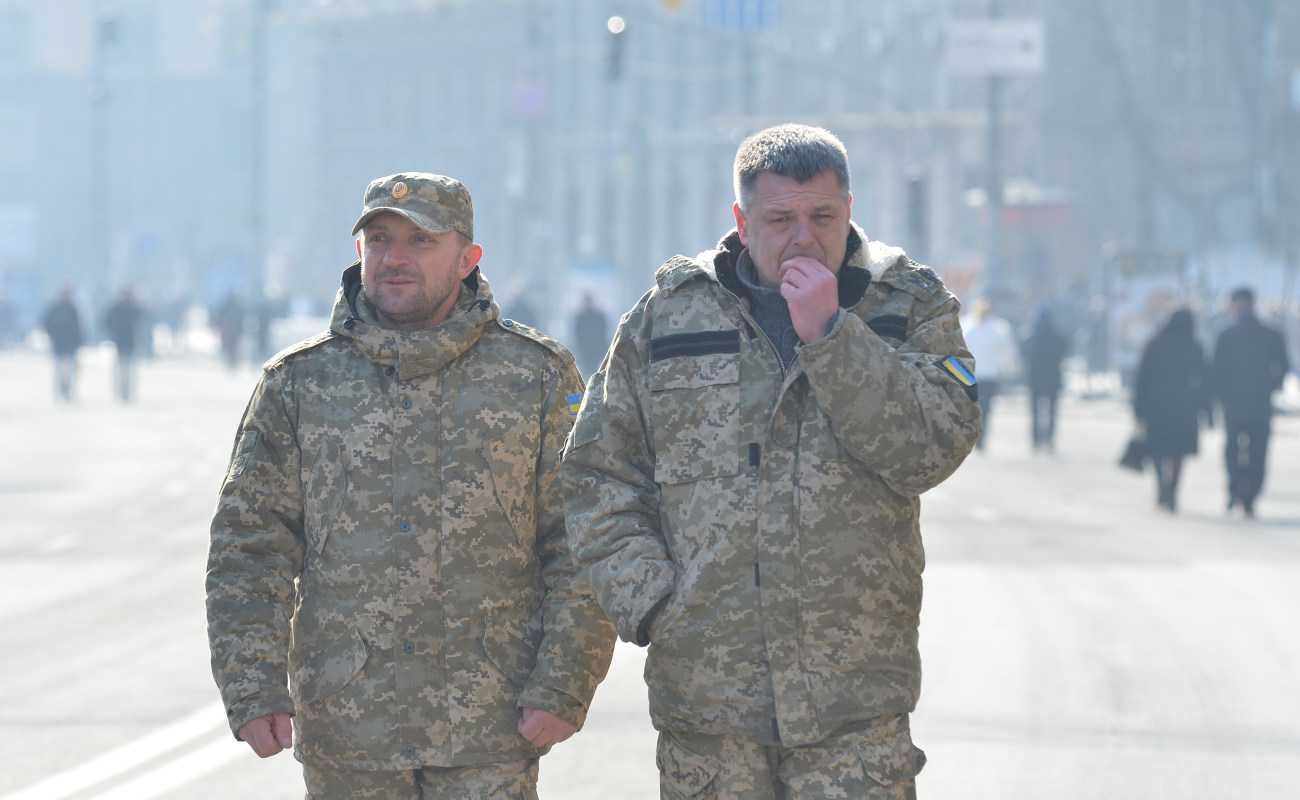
(575, 402)
(962, 375)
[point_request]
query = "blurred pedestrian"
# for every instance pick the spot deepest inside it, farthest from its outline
(229, 322)
(590, 335)
(269, 309)
(9, 321)
(520, 309)
(744, 487)
(1171, 395)
(1044, 350)
(63, 325)
(1250, 363)
(997, 354)
(124, 322)
(388, 562)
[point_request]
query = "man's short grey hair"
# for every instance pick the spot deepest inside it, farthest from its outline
(798, 152)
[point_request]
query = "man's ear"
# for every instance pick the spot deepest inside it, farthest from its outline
(469, 259)
(740, 224)
(358, 247)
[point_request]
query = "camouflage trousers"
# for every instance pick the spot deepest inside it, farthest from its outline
(873, 760)
(510, 780)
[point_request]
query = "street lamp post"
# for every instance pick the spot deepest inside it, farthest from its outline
(105, 32)
(993, 256)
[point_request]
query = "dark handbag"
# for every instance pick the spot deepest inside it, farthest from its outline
(1135, 453)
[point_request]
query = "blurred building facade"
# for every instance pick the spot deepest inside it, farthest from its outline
(205, 146)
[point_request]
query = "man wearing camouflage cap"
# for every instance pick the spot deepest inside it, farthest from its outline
(388, 562)
(744, 480)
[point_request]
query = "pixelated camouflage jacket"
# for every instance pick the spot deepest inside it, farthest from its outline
(775, 516)
(390, 533)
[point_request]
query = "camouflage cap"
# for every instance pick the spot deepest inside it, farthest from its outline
(434, 202)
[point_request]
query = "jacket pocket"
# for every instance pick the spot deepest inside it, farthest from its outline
(684, 773)
(511, 647)
(892, 759)
(695, 412)
(332, 668)
(326, 489)
(512, 482)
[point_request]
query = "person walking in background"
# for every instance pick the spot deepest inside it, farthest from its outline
(124, 321)
(997, 358)
(590, 335)
(229, 322)
(388, 561)
(521, 309)
(62, 324)
(1170, 395)
(744, 484)
(9, 325)
(1044, 350)
(1250, 363)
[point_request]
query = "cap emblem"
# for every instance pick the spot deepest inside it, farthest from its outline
(400, 190)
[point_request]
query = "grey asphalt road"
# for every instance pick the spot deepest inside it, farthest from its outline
(1078, 643)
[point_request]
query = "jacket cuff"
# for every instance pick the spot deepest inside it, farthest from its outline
(558, 703)
(245, 710)
(561, 687)
(643, 630)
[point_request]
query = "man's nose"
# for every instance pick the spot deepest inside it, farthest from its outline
(396, 253)
(802, 232)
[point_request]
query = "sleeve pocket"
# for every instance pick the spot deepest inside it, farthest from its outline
(244, 451)
(332, 668)
(586, 429)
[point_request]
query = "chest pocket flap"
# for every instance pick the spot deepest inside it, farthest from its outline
(694, 381)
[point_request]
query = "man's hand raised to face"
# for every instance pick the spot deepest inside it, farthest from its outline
(812, 293)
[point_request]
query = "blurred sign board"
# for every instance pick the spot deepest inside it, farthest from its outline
(995, 46)
(63, 33)
(189, 39)
(1150, 261)
(741, 15)
(17, 234)
(1144, 285)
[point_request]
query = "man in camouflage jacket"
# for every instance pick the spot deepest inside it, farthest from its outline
(743, 487)
(388, 559)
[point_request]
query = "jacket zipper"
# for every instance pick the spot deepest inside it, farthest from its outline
(740, 304)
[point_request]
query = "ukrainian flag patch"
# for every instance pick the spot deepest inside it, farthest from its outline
(962, 375)
(575, 402)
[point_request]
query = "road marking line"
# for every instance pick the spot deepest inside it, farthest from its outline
(58, 544)
(178, 772)
(124, 758)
